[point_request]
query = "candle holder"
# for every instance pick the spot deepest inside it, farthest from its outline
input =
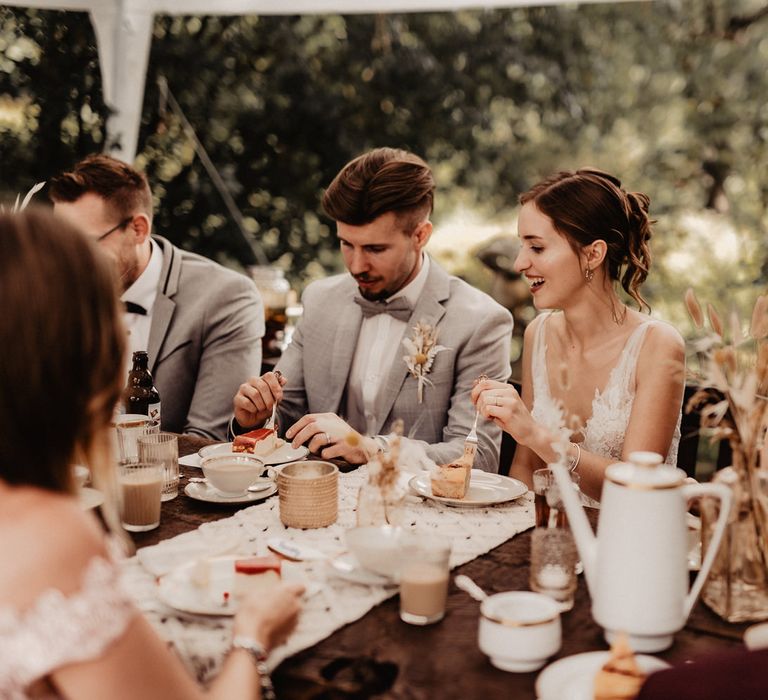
(553, 565)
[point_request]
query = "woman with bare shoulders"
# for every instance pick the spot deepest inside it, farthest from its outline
(609, 372)
(67, 630)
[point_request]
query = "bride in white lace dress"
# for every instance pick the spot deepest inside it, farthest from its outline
(610, 373)
(67, 630)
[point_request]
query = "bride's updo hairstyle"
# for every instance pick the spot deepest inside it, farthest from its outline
(62, 346)
(589, 205)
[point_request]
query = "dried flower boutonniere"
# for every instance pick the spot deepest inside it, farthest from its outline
(422, 348)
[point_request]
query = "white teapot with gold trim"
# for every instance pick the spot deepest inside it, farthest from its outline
(636, 567)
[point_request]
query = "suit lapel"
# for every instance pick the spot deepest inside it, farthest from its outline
(164, 306)
(346, 332)
(429, 310)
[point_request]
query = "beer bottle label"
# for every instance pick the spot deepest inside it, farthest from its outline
(154, 411)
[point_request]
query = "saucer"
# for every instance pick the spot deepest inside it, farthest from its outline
(572, 678)
(347, 568)
(89, 498)
(204, 492)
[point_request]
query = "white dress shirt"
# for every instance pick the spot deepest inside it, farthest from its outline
(378, 345)
(142, 292)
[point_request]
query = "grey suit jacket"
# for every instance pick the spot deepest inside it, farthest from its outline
(205, 336)
(475, 330)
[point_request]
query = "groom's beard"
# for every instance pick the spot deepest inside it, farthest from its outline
(367, 293)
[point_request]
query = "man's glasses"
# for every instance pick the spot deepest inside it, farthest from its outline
(122, 224)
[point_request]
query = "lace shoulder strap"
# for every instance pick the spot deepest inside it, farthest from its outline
(59, 629)
(625, 369)
(539, 360)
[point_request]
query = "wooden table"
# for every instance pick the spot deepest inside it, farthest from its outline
(380, 656)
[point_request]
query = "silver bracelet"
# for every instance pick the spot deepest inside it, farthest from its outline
(575, 460)
(259, 655)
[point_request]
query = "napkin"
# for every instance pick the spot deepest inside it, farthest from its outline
(192, 460)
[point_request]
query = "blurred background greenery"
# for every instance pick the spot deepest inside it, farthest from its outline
(671, 95)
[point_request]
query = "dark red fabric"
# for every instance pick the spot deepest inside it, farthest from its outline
(732, 675)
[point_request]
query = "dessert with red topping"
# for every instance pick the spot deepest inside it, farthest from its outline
(261, 441)
(256, 575)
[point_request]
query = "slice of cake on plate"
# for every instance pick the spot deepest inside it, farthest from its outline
(256, 575)
(259, 442)
(451, 480)
(621, 677)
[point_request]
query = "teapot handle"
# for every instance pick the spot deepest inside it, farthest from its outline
(725, 495)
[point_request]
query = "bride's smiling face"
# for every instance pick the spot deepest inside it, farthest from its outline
(547, 260)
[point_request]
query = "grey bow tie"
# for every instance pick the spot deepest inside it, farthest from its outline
(399, 308)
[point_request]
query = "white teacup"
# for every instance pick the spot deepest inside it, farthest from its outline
(232, 473)
(519, 630)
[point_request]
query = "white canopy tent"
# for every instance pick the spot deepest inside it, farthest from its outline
(124, 33)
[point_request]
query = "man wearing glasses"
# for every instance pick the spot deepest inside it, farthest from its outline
(200, 323)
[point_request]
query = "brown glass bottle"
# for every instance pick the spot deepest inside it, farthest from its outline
(141, 395)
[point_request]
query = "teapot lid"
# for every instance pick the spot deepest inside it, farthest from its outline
(646, 471)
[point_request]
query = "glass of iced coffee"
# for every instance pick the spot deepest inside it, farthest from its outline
(424, 580)
(141, 486)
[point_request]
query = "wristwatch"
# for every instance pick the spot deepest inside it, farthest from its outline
(259, 655)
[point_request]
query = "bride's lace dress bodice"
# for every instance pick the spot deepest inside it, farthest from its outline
(604, 431)
(59, 630)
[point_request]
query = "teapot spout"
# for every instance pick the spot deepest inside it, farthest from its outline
(586, 542)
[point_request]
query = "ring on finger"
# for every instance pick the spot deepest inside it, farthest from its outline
(497, 400)
(327, 439)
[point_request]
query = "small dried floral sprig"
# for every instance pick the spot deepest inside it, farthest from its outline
(733, 376)
(422, 348)
(16, 208)
(383, 467)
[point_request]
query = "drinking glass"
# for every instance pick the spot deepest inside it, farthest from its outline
(424, 578)
(141, 485)
(162, 447)
(553, 564)
(547, 499)
(129, 427)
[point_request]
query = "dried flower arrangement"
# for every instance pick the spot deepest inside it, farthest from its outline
(733, 376)
(732, 373)
(379, 496)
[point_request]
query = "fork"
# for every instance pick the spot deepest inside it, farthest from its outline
(271, 422)
(470, 443)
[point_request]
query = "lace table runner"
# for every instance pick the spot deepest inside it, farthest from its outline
(202, 642)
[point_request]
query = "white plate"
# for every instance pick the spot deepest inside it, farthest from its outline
(484, 490)
(346, 567)
(284, 453)
(572, 678)
(177, 589)
(89, 498)
(204, 492)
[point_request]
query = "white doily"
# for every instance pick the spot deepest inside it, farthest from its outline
(203, 642)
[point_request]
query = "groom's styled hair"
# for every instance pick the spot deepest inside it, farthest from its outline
(380, 181)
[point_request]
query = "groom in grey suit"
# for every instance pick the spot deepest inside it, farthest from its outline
(200, 323)
(396, 338)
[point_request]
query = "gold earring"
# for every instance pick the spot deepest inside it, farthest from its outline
(589, 273)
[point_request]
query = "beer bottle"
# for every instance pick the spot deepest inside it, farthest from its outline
(141, 395)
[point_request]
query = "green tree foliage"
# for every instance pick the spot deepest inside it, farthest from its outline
(670, 95)
(51, 106)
